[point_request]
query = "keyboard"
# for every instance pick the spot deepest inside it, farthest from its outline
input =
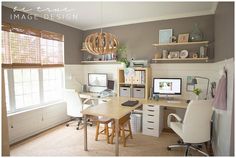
(174, 101)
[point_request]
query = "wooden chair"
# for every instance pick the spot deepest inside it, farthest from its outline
(123, 122)
(105, 121)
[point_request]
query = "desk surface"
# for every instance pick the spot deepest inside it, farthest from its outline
(114, 109)
(111, 109)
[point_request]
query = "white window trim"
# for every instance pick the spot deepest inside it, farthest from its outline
(13, 110)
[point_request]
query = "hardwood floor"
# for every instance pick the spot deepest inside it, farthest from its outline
(67, 141)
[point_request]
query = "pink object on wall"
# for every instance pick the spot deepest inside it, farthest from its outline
(220, 100)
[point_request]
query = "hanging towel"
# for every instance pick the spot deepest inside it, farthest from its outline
(220, 100)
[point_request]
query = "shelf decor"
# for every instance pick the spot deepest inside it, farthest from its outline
(196, 34)
(165, 36)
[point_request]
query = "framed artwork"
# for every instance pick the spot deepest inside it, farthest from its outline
(165, 36)
(183, 38)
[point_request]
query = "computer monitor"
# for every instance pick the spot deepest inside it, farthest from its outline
(97, 79)
(167, 86)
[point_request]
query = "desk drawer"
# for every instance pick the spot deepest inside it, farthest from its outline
(151, 131)
(151, 124)
(150, 117)
(151, 108)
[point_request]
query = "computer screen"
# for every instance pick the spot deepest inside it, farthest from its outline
(168, 86)
(110, 84)
(97, 79)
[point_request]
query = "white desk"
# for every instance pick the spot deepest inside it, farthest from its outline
(114, 109)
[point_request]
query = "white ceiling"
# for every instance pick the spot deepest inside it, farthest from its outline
(87, 15)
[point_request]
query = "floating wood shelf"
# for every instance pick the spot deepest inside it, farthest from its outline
(100, 62)
(176, 44)
(184, 59)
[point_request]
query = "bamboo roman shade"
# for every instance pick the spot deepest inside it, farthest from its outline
(28, 47)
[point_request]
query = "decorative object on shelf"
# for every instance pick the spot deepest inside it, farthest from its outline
(196, 34)
(197, 91)
(122, 56)
(169, 56)
(202, 52)
(183, 54)
(183, 38)
(164, 54)
(195, 55)
(173, 39)
(190, 86)
(158, 55)
(165, 36)
(194, 82)
(101, 42)
(174, 54)
(89, 58)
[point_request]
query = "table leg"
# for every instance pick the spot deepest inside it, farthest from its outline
(117, 137)
(85, 134)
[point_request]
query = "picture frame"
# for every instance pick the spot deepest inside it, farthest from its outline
(174, 55)
(183, 38)
(165, 36)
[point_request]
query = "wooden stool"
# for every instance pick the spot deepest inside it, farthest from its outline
(105, 121)
(122, 123)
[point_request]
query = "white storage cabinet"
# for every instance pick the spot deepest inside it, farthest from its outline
(152, 120)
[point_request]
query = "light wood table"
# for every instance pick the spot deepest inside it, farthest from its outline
(113, 109)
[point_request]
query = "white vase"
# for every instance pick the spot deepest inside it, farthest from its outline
(197, 97)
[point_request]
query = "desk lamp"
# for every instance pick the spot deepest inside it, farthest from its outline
(83, 86)
(194, 81)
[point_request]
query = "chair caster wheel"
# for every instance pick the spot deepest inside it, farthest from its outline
(67, 125)
(77, 128)
(168, 148)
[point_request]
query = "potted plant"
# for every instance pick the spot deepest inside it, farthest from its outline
(197, 91)
(122, 56)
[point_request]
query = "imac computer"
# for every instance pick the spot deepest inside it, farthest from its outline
(97, 79)
(167, 86)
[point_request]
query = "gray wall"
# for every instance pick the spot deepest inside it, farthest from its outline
(139, 37)
(224, 31)
(72, 36)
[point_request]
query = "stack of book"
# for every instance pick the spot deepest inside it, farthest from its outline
(138, 78)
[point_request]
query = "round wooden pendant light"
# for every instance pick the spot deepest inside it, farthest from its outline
(101, 43)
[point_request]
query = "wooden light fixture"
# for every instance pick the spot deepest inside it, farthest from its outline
(101, 43)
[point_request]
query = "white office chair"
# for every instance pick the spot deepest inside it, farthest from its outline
(195, 128)
(74, 105)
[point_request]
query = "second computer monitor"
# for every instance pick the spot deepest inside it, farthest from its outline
(167, 86)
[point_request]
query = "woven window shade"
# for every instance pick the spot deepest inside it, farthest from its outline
(28, 47)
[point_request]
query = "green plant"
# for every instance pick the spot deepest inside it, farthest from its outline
(121, 55)
(197, 91)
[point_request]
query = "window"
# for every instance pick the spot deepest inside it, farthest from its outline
(33, 62)
(28, 88)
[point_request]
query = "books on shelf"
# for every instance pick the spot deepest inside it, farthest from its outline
(138, 78)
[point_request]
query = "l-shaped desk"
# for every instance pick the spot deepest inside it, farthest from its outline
(113, 109)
